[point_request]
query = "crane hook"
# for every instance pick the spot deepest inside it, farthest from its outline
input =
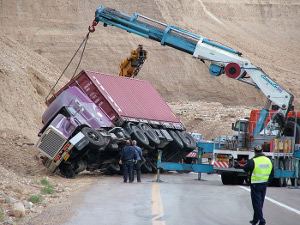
(92, 28)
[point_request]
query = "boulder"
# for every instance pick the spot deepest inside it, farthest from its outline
(17, 210)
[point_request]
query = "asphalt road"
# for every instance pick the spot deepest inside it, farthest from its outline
(179, 199)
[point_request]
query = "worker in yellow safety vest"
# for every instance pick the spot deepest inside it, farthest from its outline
(261, 169)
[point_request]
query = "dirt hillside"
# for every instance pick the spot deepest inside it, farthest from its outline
(39, 37)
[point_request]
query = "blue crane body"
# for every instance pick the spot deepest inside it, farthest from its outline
(222, 59)
(171, 36)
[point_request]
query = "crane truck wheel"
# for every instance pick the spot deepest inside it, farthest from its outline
(150, 133)
(96, 140)
(139, 136)
(226, 179)
(177, 142)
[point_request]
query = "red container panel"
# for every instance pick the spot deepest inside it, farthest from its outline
(124, 97)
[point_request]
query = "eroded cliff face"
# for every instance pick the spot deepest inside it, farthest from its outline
(264, 31)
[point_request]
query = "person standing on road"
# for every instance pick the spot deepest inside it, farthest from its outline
(128, 157)
(261, 169)
(139, 155)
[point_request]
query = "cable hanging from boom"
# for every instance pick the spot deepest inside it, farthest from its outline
(84, 42)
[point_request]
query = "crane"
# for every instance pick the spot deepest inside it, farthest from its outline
(223, 60)
(131, 66)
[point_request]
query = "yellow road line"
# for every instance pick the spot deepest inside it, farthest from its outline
(157, 207)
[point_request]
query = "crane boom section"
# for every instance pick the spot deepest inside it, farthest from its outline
(222, 59)
(158, 31)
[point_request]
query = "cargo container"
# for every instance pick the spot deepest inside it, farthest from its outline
(88, 121)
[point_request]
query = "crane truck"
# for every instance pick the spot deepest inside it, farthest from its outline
(278, 131)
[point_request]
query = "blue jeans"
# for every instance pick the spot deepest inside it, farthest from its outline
(128, 168)
(138, 170)
(258, 193)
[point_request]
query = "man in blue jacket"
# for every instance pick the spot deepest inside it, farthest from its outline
(139, 155)
(260, 168)
(128, 158)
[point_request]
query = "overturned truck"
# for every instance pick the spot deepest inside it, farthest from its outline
(88, 121)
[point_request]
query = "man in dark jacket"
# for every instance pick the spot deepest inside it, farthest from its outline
(139, 155)
(260, 168)
(128, 157)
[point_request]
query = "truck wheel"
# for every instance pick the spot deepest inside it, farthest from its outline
(226, 179)
(95, 139)
(128, 128)
(177, 142)
(191, 140)
(187, 139)
(80, 166)
(139, 136)
(240, 180)
(150, 133)
(150, 148)
(114, 168)
(66, 170)
(146, 167)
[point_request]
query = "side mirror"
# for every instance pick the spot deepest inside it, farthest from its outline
(232, 126)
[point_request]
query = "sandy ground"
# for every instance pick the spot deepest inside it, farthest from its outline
(39, 37)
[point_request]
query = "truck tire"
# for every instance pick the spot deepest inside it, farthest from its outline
(193, 143)
(139, 136)
(226, 179)
(177, 142)
(128, 128)
(146, 167)
(188, 140)
(114, 168)
(239, 180)
(232, 179)
(80, 166)
(66, 170)
(150, 133)
(96, 140)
